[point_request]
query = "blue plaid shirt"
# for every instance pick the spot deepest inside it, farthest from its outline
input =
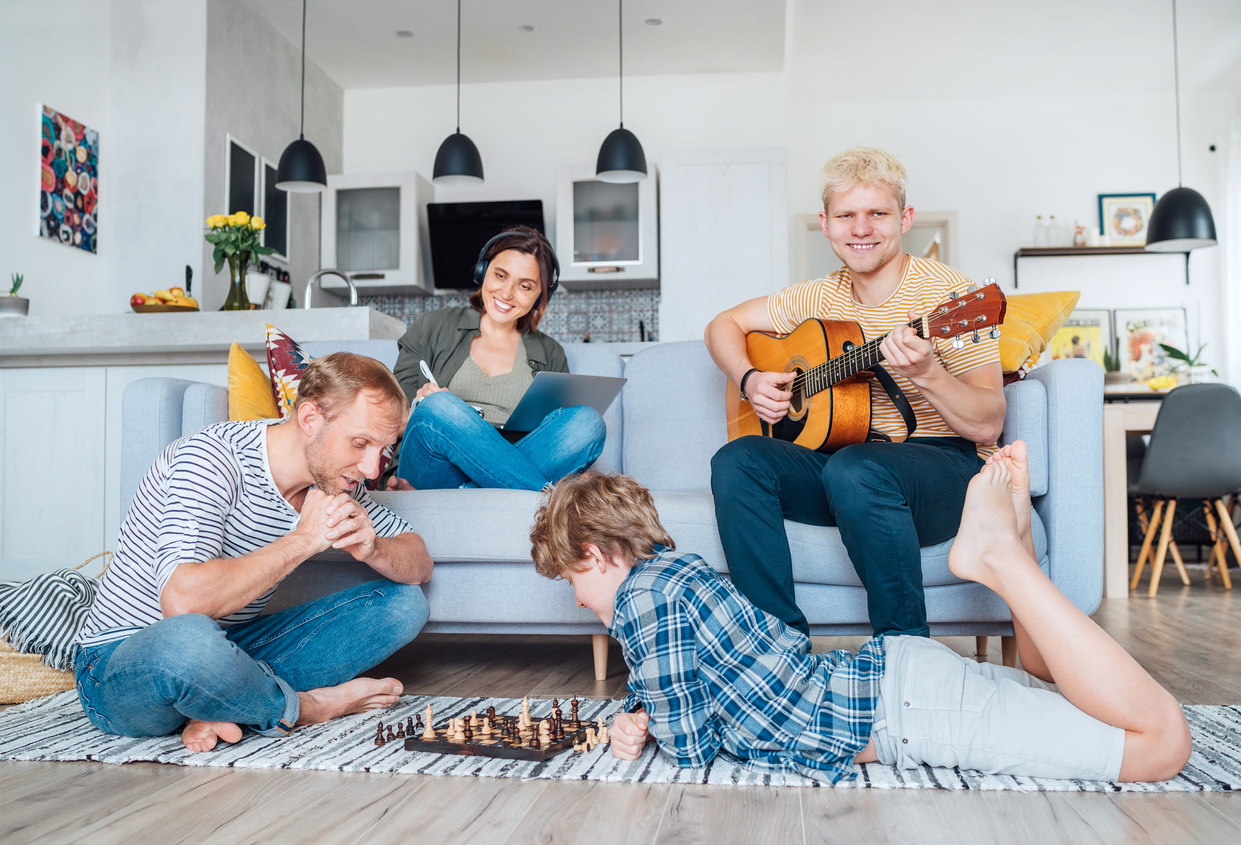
(715, 673)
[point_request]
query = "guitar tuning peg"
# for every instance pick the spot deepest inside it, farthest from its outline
(958, 342)
(975, 338)
(973, 287)
(990, 280)
(952, 294)
(995, 333)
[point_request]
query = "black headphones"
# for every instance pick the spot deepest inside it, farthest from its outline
(480, 266)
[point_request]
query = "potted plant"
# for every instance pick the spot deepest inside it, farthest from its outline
(14, 305)
(1111, 365)
(236, 237)
(1192, 370)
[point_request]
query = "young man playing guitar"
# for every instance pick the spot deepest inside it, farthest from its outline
(888, 498)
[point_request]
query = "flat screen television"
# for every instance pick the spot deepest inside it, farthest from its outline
(458, 230)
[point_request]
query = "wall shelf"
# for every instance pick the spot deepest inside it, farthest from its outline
(1059, 251)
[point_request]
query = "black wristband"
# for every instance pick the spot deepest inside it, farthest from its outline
(741, 386)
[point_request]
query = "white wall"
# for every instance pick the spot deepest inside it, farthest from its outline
(59, 279)
(253, 93)
(525, 130)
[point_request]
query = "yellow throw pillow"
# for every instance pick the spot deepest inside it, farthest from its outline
(1029, 323)
(249, 390)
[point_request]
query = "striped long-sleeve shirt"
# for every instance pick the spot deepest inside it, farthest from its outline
(715, 674)
(925, 285)
(209, 495)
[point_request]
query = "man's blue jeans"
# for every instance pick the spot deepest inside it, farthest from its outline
(188, 667)
(448, 444)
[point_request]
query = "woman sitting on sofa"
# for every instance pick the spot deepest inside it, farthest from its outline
(481, 360)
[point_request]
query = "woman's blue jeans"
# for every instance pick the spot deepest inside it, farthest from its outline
(188, 667)
(448, 444)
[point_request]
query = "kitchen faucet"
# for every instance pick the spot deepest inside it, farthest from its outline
(353, 291)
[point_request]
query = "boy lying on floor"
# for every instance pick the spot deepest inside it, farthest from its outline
(710, 672)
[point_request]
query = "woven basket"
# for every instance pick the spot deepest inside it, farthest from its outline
(24, 676)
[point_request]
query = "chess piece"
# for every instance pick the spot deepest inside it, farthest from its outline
(491, 713)
(468, 732)
(416, 728)
(603, 732)
(391, 735)
(459, 731)
(473, 718)
(409, 726)
(428, 733)
(400, 731)
(379, 734)
(577, 746)
(574, 722)
(545, 736)
(429, 711)
(486, 727)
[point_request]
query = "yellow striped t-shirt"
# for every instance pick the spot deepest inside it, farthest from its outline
(925, 285)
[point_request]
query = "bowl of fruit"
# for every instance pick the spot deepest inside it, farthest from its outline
(173, 299)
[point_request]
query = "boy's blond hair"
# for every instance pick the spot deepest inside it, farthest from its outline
(863, 166)
(613, 512)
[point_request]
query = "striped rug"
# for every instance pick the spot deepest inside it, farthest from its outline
(55, 728)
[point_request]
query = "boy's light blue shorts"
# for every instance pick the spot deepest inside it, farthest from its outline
(940, 709)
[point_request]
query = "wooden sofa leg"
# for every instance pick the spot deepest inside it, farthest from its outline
(600, 643)
(980, 649)
(1008, 650)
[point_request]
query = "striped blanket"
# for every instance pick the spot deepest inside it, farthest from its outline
(43, 615)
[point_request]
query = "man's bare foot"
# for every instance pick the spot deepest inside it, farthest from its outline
(202, 736)
(356, 696)
(987, 538)
(1014, 457)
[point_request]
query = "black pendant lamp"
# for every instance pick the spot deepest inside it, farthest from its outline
(457, 162)
(621, 158)
(1182, 218)
(301, 169)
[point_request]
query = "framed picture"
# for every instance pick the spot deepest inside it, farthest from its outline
(1124, 217)
(1086, 334)
(68, 181)
(1140, 331)
(241, 178)
(275, 213)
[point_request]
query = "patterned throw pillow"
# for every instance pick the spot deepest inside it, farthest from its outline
(287, 361)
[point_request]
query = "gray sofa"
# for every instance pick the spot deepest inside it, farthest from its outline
(663, 430)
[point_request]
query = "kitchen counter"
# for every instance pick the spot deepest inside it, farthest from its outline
(193, 337)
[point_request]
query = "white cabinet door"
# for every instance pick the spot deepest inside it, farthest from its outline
(51, 468)
(723, 233)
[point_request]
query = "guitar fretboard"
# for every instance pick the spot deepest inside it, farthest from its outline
(843, 366)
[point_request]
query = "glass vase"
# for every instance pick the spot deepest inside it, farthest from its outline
(237, 300)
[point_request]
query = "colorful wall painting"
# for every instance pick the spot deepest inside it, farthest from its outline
(68, 181)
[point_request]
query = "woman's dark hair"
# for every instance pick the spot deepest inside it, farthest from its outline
(531, 242)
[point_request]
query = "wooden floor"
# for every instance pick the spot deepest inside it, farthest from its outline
(1187, 637)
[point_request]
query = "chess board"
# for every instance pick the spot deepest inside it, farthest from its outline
(498, 745)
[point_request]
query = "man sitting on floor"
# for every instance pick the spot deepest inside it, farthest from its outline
(175, 637)
(710, 672)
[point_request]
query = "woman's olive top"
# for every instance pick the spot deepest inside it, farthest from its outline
(442, 338)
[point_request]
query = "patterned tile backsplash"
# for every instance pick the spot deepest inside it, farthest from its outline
(610, 316)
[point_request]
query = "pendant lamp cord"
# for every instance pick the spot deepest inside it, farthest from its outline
(620, 27)
(458, 67)
(301, 131)
(1176, 71)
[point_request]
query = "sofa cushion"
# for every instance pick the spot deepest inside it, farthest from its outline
(819, 556)
(1026, 419)
(594, 359)
(674, 416)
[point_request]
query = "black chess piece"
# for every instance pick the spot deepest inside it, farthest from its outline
(418, 727)
(400, 731)
(469, 732)
(379, 735)
(409, 725)
(391, 735)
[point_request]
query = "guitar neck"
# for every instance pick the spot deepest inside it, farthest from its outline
(850, 363)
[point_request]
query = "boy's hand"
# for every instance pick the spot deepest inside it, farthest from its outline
(629, 734)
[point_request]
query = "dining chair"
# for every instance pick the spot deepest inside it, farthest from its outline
(1194, 454)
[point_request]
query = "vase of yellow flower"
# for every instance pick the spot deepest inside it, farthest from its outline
(236, 237)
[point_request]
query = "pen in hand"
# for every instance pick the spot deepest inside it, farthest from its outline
(426, 373)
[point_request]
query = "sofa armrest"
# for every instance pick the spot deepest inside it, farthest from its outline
(1072, 509)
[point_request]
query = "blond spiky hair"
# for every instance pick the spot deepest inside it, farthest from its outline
(863, 166)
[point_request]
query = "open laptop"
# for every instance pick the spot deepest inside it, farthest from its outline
(550, 391)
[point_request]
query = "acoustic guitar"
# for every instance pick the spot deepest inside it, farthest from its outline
(830, 407)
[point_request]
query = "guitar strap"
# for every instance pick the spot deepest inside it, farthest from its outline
(898, 399)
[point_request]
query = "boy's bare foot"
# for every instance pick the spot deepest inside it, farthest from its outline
(1014, 457)
(356, 696)
(202, 736)
(987, 538)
